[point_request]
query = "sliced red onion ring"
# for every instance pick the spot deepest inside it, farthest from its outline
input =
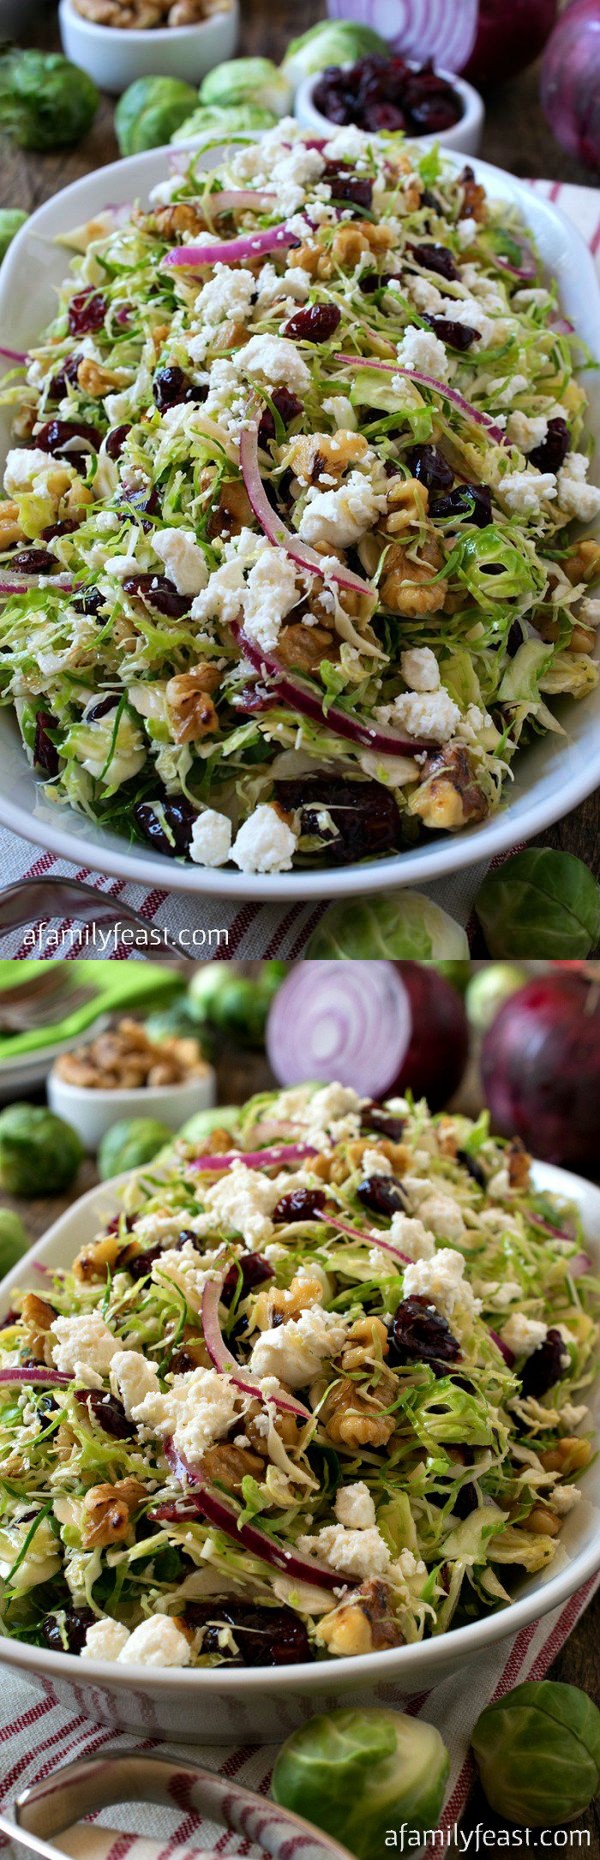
(503, 1348)
(276, 530)
(13, 355)
(248, 245)
(350, 1022)
(546, 1227)
(562, 325)
(211, 1505)
(302, 697)
(578, 1266)
(257, 1159)
(430, 381)
(526, 270)
(24, 582)
(37, 1375)
(226, 1363)
(370, 1239)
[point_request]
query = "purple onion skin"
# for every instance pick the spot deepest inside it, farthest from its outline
(439, 1045)
(509, 36)
(570, 82)
(540, 1067)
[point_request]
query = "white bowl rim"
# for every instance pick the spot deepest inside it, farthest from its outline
(140, 35)
(364, 1669)
(473, 104)
(413, 866)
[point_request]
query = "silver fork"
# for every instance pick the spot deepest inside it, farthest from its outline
(47, 898)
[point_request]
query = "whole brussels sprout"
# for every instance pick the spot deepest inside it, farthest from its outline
(39, 1152)
(357, 1773)
(14, 1241)
(538, 1752)
(396, 923)
(489, 988)
(177, 1020)
(236, 1005)
(331, 42)
(212, 123)
(541, 900)
(199, 1128)
(247, 80)
(45, 101)
(150, 111)
(11, 221)
(129, 1144)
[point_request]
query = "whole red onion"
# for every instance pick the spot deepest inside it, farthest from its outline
(436, 1057)
(540, 1067)
(570, 81)
(510, 34)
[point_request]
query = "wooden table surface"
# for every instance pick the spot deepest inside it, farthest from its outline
(239, 1076)
(516, 136)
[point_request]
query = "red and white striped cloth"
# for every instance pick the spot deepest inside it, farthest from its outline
(252, 930)
(39, 1736)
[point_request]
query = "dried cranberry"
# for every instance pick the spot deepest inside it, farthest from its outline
(553, 450)
(382, 1194)
(45, 753)
(68, 1625)
(65, 528)
(471, 501)
(158, 820)
(346, 185)
(254, 1270)
(87, 311)
(473, 1167)
(432, 115)
(302, 1204)
(32, 562)
(420, 1334)
(68, 372)
(171, 386)
(89, 601)
(465, 1500)
(375, 1117)
(264, 1636)
(115, 441)
(316, 324)
(10, 1317)
(435, 258)
(102, 707)
(428, 464)
(109, 1414)
(182, 1361)
(48, 1406)
(158, 593)
(545, 1366)
(54, 435)
(288, 407)
(142, 497)
(364, 815)
(140, 1264)
(385, 116)
(458, 335)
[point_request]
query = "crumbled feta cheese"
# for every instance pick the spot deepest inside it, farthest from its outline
(526, 491)
(270, 593)
(183, 559)
(506, 390)
(574, 495)
(197, 1411)
(572, 1414)
(422, 350)
(188, 1269)
(244, 1199)
(341, 411)
(430, 715)
(373, 1162)
(442, 1214)
(105, 1640)
(295, 1351)
(589, 611)
(525, 432)
(22, 466)
(503, 1295)
(341, 517)
(353, 1553)
(441, 1280)
(426, 295)
(276, 361)
(563, 1498)
(354, 1507)
(265, 842)
(222, 599)
(348, 144)
(83, 1341)
(132, 1377)
(211, 838)
(228, 293)
(523, 1335)
(411, 1236)
(420, 669)
(157, 1642)
(330, 1115)
(466, 231)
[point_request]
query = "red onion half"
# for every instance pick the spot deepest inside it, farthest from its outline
(429, 381)
(226, 1363)
(381, 1027)
(540, 1068)
(211, 1505)
(228, 251)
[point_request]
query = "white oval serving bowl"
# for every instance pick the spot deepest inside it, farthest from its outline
(550, 776)
(263, 1704)
(114, 56)
(92, 1113)
(464, 135)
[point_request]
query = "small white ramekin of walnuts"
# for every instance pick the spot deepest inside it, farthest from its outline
(116, 41)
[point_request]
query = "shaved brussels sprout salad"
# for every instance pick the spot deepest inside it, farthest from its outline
(288, 570)
(316, 1392)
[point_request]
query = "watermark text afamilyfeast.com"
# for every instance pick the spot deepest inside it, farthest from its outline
(481, 1839)
(106, 939)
